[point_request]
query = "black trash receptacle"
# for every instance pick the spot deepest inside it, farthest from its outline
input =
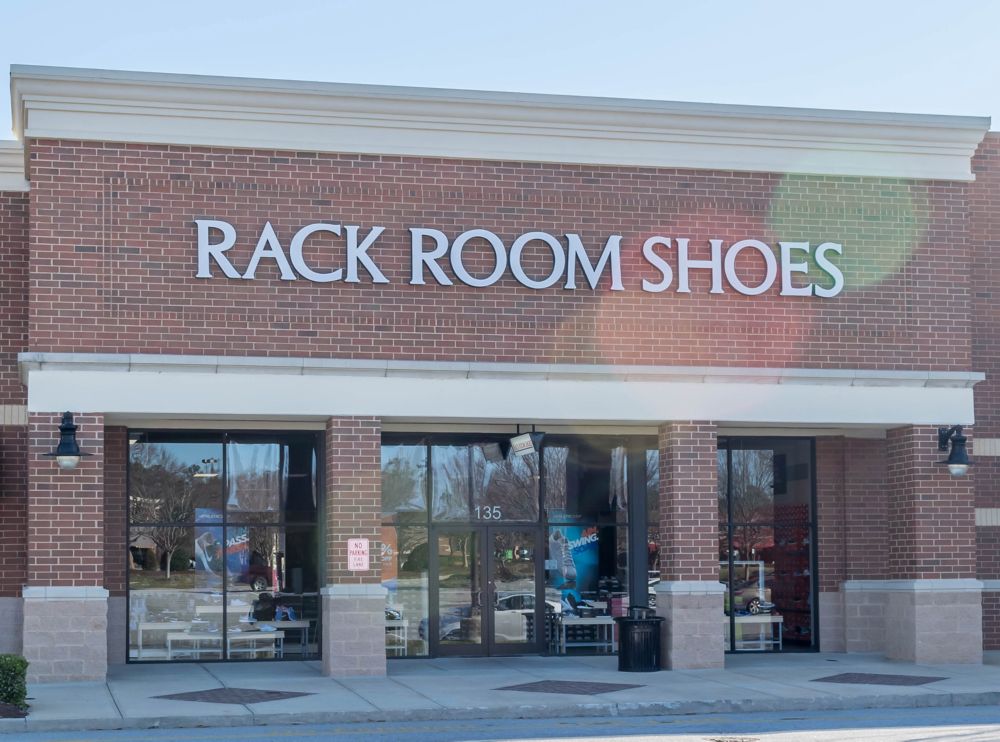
(639, 641)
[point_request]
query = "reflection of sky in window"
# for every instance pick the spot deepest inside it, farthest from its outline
(184, 454)
(255, 473)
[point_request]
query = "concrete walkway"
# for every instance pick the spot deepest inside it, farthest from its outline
(468, 688)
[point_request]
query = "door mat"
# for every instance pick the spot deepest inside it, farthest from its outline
(233, 695)
(569, 686)
(869, 678)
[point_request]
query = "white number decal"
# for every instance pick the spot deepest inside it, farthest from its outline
(490, 512)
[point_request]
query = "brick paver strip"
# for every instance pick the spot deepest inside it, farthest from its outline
(867, 678)
(234, 695)
(569, 686)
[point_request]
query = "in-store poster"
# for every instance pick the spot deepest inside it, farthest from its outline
(579, 572)
(212, 545)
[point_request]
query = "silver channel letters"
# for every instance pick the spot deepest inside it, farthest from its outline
(557, 261)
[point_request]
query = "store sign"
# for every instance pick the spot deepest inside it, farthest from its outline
(358, 559)
(667, 258)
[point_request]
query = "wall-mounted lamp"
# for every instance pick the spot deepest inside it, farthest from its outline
(67, 453)
(958, 460)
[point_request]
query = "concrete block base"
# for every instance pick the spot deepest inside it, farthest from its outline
(353, 630)
(692, 636)
(923, 621)
(832, 629)
(12, 620)
(65, 635)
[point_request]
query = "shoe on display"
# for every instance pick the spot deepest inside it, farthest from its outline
(562, 554)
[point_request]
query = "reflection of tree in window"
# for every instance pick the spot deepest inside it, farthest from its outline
(509, 484)
(752, 492)
(403, 479)
(161, 490)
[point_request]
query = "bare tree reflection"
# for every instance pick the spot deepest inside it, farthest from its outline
(162, 491)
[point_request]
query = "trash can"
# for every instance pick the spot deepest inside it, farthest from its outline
(639, 640)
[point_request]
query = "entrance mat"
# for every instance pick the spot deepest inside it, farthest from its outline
(870, 678)
(569, 686)
(234, 695)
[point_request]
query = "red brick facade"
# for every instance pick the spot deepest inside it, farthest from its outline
(65, 531)
(112, 263)
(13, 438)
(689, 506)
(113, 245)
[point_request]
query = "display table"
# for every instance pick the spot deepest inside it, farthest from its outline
(300, 625)
(400, 627)
(250, 643)
(757, 633)
(145, 626)
(603, 630)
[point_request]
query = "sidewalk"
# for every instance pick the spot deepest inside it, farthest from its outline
(468, 689)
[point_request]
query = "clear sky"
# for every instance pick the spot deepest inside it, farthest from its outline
(888, 55)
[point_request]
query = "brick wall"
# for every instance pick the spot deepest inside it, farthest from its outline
(353, 495)
(13, 438)
(65, 530)
(13, 293)
(689, 506)
(115, 509)
(931, 524)
(113, 245)
(853, 511)
(13, 504)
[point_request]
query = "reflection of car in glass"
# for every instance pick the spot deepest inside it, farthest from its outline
(511, 612)
(749, 592)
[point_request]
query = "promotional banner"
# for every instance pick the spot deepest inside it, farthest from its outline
(573, 560)
(212, 548)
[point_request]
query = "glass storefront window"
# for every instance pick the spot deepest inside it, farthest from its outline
(226, 587)
(404, 483)
(405, 575)
(766, 532)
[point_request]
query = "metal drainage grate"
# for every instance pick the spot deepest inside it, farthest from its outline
(233, 695)
(570, 686)
(870, 678)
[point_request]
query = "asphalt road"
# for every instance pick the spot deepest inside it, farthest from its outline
(971, 724)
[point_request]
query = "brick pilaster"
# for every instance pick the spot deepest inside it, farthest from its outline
(689, 596)
(65, 603)
(353, 601)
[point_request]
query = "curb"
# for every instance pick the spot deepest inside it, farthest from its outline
(654, 708)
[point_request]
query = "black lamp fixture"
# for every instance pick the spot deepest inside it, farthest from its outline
(67, 453)
(958, 460)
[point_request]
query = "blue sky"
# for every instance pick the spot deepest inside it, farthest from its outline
(890, 55)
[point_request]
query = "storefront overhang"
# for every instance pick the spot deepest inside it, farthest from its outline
(155, 108)
(306, 388)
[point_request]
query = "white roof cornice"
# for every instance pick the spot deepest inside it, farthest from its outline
(52, 102)
(12, 167)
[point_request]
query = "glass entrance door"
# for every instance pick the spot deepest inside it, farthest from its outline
(486, 591)
(516, 623)
(458, 600)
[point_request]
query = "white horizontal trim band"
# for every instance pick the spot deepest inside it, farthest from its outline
(120, 106)
(63, 593)
(13, 414)
(353, 591)
(686, 587)
(988, 517)
(915, 586)
(502, 371)
(986, 447)
(991, 586)
(12, 167)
